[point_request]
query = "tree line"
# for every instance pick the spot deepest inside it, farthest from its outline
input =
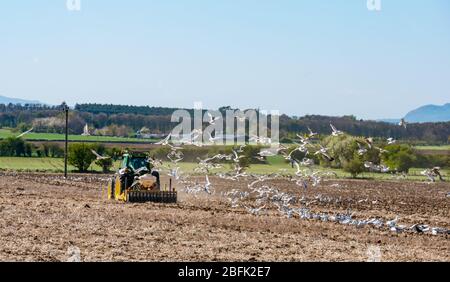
(105, 117)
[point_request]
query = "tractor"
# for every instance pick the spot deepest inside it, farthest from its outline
(137, 182)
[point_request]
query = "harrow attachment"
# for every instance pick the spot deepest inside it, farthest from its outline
(148, 196)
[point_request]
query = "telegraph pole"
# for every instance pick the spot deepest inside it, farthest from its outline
(66, 113)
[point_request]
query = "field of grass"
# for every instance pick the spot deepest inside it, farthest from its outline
(57, 165)
(5, 133)
(433, 148)
(38, 164)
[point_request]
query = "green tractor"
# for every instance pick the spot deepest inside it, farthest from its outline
(137, 182)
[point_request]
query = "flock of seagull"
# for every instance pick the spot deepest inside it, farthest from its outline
(260, 196)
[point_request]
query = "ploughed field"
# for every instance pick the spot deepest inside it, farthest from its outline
(43, 217)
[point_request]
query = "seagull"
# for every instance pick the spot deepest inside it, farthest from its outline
(98, 156)
(392, 223)
(207, 187)
(381, 150)
(311, 133)
(369, 142)
(335, 131)
(437, 172)
(165, 141)
(420, 228)
(307, 162)
(361, 150)
(236, 157)
(267, 153)
(174, 173)
(432, 174)
(214, 139)
(391, 141)
(261, 140)
(175, 156)
(212, 120)
(303, 140)
(25, 133)
(324, 152)
(255, 211)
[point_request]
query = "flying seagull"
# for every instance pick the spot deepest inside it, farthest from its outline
(324, 152)
(207, 185)
(98, 156)
(391, 141)
(311, 133)
(165, 141)
(25, 133)
(335, 131)
(212, 120)
(362, 150)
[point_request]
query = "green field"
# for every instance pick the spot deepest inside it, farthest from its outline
(57, 165)
(38, 164)
(5, 133)
(434, 148)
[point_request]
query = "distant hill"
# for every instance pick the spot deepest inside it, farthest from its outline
(429, 113)
(390, 120)
(8, 100)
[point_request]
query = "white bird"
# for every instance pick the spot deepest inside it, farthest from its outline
(311, 133)
(369, 142)
(392, 223)
(420, 228)
(212, 120)
(391, 141)
(214, 139)
(335, 131)
(303, 140)
(174, 173)
(261, 140)
(268, 152)
(402, 123)
(165, 141)
(324, 152)
(98, 156)
(207, 185)
(25, 133)
(307, 162)
(255, 211)
(361, 150)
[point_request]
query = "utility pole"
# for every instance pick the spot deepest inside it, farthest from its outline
(66, 113)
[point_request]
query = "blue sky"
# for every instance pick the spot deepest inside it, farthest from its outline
(330, 57)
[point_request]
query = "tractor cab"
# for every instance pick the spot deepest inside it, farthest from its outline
(138, 181)
(136, 163)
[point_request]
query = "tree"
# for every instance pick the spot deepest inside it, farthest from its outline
(55, 151)
(28, 150)
(342, 148)
(12, 146)
(399, 157)
(80, 156)
(105, 164)
(354, 166)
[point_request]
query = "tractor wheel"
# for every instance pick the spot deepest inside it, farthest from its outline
(117, 188)
(110, 190)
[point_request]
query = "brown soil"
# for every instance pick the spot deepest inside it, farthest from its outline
(42, 215)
